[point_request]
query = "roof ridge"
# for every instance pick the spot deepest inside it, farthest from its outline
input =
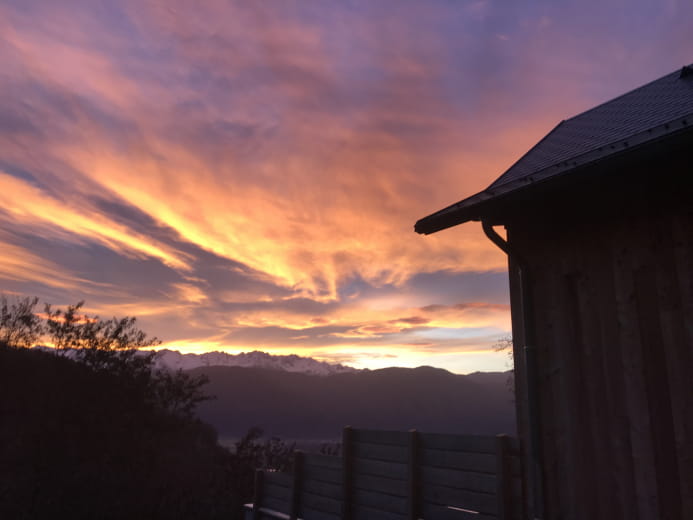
(677, 73)
(495, 183)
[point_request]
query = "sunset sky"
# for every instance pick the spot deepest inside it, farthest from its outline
(246, 175)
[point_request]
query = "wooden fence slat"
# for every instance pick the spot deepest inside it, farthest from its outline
(320, 503)
(516, 467)
(325, 489)
(276, 504)
(366, 513)
(436, 512)
(275, 492)
(380, 452)
(446, 496)
(504, 495)
(257, 498)
(378, 468)
(474, 462)
(322, 461)
(413, 477)
(517, 489)
(380, 501)
(278, 478)
(333, 476)
(314, 514)
(517, 505)
(298, 481)
(515, 449)
(454, 478)
(272, 514)
(463, 443)
(389, 486)
(391, 438)
(347, 472)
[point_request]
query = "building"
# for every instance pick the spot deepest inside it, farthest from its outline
(599, 222)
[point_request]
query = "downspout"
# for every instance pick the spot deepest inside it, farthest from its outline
(530, 365)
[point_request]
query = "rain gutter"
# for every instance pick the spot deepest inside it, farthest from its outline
(530, 369)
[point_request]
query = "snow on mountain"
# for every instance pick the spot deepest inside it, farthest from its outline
(172, 359)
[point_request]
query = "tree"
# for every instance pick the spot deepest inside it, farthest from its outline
(109, 346)
(178, 393)
(81, 444)
(96, 341)
(251, 453)
(114, 346)
(101, 431)
(20, 326)
(505, 344)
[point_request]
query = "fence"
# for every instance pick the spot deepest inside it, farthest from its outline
(385, 475)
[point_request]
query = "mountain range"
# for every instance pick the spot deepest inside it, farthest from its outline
(294, 397)
(296, 405)
(175, 360)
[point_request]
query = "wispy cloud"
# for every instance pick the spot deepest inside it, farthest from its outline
(247, 175)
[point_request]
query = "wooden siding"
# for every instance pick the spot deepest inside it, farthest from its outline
(612, 285)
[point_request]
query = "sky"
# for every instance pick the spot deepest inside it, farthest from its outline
(246, 175)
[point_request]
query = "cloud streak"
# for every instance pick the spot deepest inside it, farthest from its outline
(247, 175)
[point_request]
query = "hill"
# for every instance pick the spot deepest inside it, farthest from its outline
(79, 443)
(301, 406)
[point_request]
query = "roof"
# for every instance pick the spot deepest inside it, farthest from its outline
(632, 120)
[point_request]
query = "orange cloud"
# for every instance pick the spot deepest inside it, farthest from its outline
(29, 206)
(17, 263)
(248, 174)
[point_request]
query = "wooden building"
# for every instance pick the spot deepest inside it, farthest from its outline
(599, 222)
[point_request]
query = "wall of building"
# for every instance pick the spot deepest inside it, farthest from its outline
(612, 286)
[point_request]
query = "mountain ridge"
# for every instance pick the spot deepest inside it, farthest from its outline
(303, 406)
(175, 360)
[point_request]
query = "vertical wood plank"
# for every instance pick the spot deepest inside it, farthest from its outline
(682, 362)
(628, 258)
(670, 285)
(297, 485)
(257, 497)
(413, 476)
(592, 296)
(557, 373)
(617, 463)
(659, 395)
(347, 472)
(587, 504)
(504, 496)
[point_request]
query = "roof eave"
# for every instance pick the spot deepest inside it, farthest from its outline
(479, 206)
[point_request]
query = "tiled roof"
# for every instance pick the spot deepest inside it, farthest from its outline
(634, 118)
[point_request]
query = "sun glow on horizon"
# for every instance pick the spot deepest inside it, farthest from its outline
(246, 176)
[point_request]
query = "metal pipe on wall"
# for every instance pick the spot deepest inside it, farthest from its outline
(530, 369)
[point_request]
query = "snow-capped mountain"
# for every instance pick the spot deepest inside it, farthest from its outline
(174, 360)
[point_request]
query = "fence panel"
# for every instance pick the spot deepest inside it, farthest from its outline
(388, 475)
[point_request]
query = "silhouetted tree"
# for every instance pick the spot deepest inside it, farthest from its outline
(20, 326)
(505, 344)
(101, 432)
(253, 452)
(99, 343)
(178, 393)
(80, 443)
(111, 346)
(332, 449)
